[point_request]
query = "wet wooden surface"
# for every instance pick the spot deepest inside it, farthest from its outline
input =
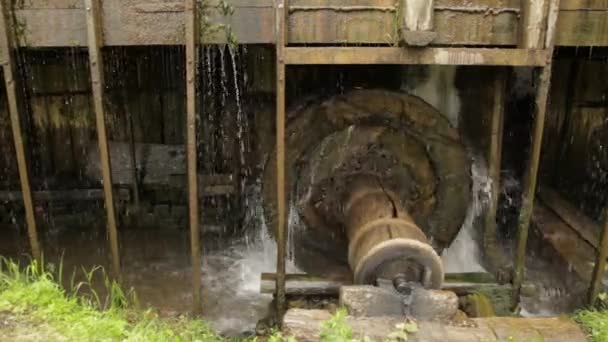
(575, 251)
(143, 22)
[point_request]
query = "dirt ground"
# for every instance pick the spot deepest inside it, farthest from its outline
(20, 328)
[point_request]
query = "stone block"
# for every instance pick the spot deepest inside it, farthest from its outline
(369, 301)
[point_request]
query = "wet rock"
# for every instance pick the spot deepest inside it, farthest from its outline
(433, 304)
(369, 301)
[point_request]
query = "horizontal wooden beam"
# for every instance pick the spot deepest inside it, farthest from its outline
(63, 195)
(396, 55)
(44, 23)
(588, 229)
(309, 285)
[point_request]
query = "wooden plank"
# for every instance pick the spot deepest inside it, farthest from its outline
(495, 257)
(48, 23)
(191, 38)
(390, 55)
(95, 41)
(63, 195)
(600, 263)
(582, 28)
(531, 176)
(577, 253)
(577, 5)
(16, 112)
(533, 24)
(303, 284)
(588, 229)
(309, 285)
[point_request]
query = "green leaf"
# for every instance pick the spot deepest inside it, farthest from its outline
(411, 327)
(398, 335)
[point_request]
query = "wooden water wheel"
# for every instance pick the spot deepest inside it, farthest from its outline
(377, 178)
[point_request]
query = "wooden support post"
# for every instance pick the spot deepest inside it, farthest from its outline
(95, 41)
(495, 257)
(15, 108)
(600, 263)
(191, 39)
(281, 229)
(532, 30)
(529, 189)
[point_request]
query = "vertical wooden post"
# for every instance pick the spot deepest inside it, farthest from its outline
(15, 108)
(496, 258)
(533, 23)
(191, 31)
(95, 41)
(281, 229)
(600, 263)
(529, 188)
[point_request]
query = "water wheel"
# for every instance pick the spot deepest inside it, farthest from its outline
(380, 181)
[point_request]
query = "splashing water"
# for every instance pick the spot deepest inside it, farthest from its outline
(463, 255)
(231, 276)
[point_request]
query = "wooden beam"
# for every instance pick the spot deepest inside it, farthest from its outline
(540, 110)
(494, 255)
(533, 24)
(95, 41)
(457, 22)
(309, 285)
(588, 229)
(62, 195)
(576, 253)
(16, 111)
(281, 228)
(304, 284)
(600, 263)
(191, 38)
(404, 56)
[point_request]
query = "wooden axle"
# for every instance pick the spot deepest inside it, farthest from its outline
(384, 241)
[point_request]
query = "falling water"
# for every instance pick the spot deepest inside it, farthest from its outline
(240, 122)
(463, 255)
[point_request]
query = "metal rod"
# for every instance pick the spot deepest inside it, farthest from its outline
(527, 204)
(192, 172)
(281, 228)
(600, 263)
(95, 41)
(15, 109)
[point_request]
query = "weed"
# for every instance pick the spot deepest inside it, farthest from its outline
(336, 329)
(33, 291)
(595, 322)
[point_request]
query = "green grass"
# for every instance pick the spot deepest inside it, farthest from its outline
(595, 322)
(32, 295)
